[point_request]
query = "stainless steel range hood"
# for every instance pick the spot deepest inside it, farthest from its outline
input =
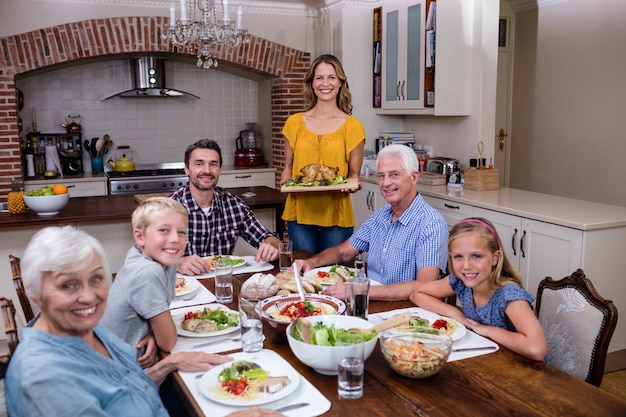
(148, 76)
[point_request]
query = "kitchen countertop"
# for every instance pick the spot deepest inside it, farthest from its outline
(563, 211)
(121, 207)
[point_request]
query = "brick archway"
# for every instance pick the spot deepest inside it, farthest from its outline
(95, 38)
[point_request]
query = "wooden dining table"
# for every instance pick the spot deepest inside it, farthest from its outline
(502, 383)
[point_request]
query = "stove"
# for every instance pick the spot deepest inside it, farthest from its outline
(153, 178)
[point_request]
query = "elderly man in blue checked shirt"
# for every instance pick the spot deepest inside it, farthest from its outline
(216, 217)
(406, 240)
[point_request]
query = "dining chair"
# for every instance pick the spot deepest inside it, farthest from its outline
(10, 327)
(19, 288)
(578, 324)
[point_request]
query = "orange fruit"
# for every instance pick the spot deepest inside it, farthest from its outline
(59, 189)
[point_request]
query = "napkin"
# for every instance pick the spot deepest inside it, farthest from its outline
(185, 343)
(53, 162)
(250, 267)
(470, 340)
(202, 296)
(306, 393)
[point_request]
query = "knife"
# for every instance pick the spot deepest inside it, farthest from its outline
(473, 348)
(291, 407)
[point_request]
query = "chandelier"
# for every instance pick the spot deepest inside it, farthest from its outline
(199, 26)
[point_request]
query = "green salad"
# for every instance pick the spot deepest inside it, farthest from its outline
(340, 179)
(320, 334)
(223, 319)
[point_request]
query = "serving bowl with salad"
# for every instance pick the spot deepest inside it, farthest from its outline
(415, 355)
(313, 340)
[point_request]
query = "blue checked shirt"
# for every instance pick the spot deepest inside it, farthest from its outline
(396, 251)
(228, 218)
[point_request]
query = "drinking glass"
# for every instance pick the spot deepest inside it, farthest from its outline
(286, 255)
(224, 283)
(350, 365)
(251, 324)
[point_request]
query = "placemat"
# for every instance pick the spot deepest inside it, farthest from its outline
(306, 392)
(250, 267)
(470, 340)
(202, 296)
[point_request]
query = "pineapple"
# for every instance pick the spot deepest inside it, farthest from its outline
(16, 198)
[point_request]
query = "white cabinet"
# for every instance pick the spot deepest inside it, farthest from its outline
(536, 249)
(402, 54)
(245, 178)
(451, 211)
(403, 66)
(83, 187)
(365, 202)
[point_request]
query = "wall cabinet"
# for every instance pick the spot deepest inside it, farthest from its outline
(403, 62)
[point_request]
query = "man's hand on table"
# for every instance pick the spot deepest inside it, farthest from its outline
(192, 265)
(268, 250)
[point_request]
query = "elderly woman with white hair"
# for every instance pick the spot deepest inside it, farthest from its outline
(67, 363)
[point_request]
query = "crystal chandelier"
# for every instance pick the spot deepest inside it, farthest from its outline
(204, 30)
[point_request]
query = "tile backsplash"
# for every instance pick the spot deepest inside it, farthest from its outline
(156, 129)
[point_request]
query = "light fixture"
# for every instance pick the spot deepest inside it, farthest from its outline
(199, 26)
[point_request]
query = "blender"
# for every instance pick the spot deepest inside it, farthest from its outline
(249, 153)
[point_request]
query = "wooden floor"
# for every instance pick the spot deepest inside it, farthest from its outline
(615, 383)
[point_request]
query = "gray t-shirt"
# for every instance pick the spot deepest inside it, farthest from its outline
(142, 289)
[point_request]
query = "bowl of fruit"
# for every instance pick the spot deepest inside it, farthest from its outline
(47, 200)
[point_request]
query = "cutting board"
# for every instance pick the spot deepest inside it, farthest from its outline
(352, 184)
(140, 198)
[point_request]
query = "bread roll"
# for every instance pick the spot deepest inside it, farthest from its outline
(259, 286)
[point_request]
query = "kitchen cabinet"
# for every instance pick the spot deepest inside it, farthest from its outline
(403, 66)
(452, 211)
(536, 249)
(248, 178)
(365, 202)
(78, 187)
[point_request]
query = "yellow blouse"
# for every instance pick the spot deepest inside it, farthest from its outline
(331, 208)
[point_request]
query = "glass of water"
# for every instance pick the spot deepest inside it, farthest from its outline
(224, 283)
(251, 324)
(286, 255)
(350, 365)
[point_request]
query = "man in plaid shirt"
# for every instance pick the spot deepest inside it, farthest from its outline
(216, 217)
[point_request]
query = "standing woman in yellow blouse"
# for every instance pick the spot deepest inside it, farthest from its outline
(325, 133)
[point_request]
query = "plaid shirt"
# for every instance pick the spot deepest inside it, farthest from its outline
(396, 251)
(216, 232)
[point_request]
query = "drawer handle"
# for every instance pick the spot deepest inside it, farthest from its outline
(243, 176)
(521, 244)
(452, 207)
(513, 243)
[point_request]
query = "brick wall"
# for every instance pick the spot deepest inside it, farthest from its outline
(93, 39)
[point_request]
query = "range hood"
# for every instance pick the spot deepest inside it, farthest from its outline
(148, 76)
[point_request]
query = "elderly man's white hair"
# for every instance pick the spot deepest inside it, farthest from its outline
(405, 153)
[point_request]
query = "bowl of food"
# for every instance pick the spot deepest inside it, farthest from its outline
(279, 311)
(415, 355)
(46, 205)
(313, 340)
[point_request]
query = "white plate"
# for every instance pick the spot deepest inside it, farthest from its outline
(191, 286)
(275, 368)
(459, 332)
(233, 257)
(178, 319)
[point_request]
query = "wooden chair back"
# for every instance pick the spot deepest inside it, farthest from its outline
(578, 324)
(10, 328)
(19, 288)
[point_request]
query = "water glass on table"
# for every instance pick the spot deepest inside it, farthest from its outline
(224, 283)
(350, 365)
(251, 324)
(286, 255)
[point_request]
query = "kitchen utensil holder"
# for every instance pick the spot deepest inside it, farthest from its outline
(481, 179)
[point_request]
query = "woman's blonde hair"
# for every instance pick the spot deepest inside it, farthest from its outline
(344, 98)
(503, 272)
(145, 212)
